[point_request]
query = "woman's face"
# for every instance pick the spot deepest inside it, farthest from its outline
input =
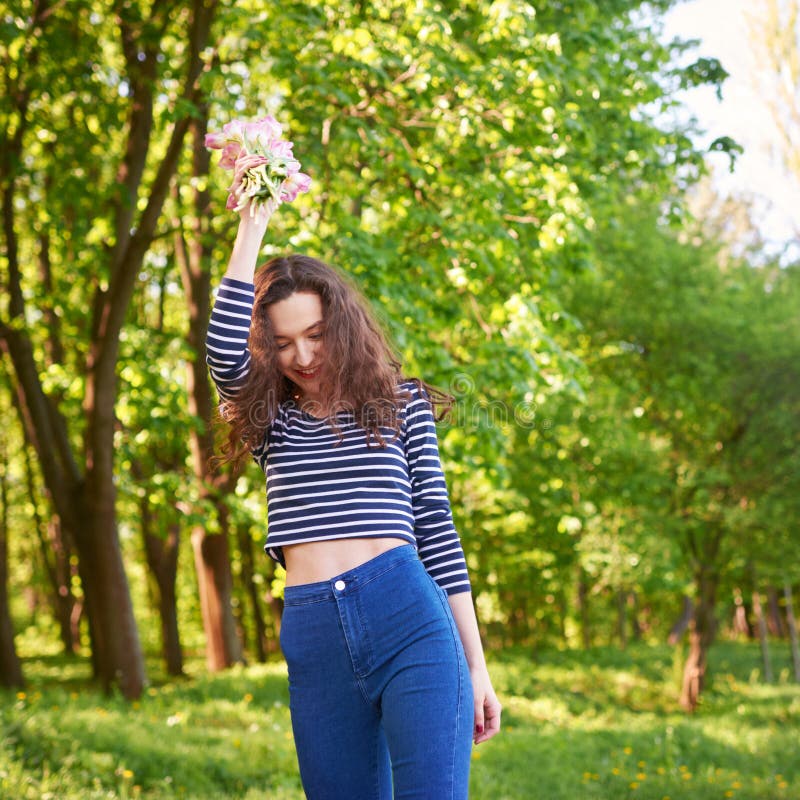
(297, 325)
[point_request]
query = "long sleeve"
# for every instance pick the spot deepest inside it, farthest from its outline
(227, 354)
(437, 539)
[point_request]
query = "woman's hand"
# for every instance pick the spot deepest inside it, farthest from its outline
(487, 706)
(252, 228)
(256, 220)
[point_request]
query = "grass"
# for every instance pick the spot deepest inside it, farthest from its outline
(591, 724)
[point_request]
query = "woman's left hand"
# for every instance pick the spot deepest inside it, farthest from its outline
(487, 706)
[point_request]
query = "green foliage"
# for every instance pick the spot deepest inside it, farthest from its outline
(503, 182)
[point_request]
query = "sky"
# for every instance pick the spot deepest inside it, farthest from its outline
(721, 26)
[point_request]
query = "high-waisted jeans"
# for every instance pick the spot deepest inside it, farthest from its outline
(380, 692)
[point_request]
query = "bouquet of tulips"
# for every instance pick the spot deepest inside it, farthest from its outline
(277, 180)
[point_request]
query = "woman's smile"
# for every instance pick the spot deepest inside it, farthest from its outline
(307, 374)
(297, 324)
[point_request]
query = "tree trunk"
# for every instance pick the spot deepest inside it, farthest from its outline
(791, 623)
(10, 667)
(622, 617)
(162, 559)
(223, 648)
(116, 647)
(275, 605)
(583, 609)
(56, 557)
(682, 622)
(636, 624)
(741, 624)
(761, 623)
(774, 619)
(702, 629)
(251, 589)
(56, 548)
(212, 562)
(120, 659)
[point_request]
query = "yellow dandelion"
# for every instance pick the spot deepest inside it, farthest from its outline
(127, 774)
(660, 770)
(641, 776)
(21, 695)
(641, 764)
(616, 771)
(476, 753)
(237, 742)
(783, 785)
(587, 776)
(736, 785)
(729, 793)
(633, 785)
(136, 705)
(683, 767)
(248, 698)
(627, 750)
(687, 776)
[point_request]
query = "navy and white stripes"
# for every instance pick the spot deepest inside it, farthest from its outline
(324, 485)
(227, 355)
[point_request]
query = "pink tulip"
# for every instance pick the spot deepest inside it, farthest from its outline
(216, 141)
(293, 185)
(230, 153)
(269, 126)
(282, 148)
(263, 132)
(278, 173)
(234, 130)
(292, 167)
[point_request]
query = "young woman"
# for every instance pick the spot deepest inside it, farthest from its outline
(387, 678)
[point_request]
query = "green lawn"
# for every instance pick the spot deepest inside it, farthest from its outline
(597, 724)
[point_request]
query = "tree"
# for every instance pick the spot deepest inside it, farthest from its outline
(704, 353)
(775, 34)
(10, 667)
(50, 53)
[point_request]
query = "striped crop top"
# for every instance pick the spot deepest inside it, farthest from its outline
(321, 486)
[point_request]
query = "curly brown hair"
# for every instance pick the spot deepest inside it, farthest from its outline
(361, 372)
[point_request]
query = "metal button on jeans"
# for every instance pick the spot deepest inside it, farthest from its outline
(339, 585)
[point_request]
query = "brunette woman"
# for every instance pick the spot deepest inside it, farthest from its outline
(387, 678)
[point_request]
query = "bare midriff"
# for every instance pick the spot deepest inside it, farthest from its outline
(311, 562)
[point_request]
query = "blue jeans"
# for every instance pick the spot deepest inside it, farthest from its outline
(380, 692)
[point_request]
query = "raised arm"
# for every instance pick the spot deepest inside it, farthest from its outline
(227, 354)
(242, 264)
